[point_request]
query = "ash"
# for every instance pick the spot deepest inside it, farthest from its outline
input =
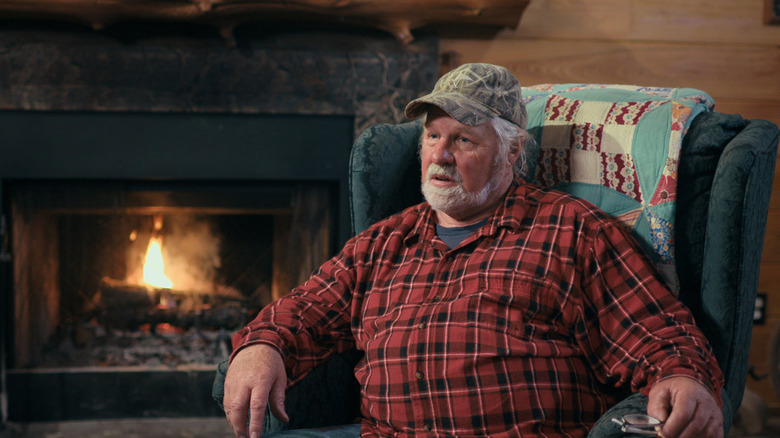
(163, 345)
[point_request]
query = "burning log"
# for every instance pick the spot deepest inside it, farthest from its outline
(128, 306)
(113, 293)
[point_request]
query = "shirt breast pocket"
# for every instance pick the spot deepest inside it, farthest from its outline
(484, 321)
(520, 320)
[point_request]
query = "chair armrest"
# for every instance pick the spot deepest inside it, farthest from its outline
(605, 428)
(735, 234)
(218, 388)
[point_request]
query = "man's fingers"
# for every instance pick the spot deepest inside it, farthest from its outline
(660, 406)
(687, 407)
(256, 415)
(236, 404)
(277, 402)
(236, 412)
(682, 419)
(715, 427)
(257, 409)
(255, 378)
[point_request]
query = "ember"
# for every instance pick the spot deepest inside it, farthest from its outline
(94, 345)
(157, 285)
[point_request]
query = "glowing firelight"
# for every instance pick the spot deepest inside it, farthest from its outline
(153, 265)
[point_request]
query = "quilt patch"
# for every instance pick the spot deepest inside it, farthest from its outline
(617, 146)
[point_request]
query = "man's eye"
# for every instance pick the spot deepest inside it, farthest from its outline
(464, 140)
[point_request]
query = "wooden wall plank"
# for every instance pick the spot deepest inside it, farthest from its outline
(767, 282)
(573, 19)
(714, 21)
(751, 108)
(774, 202)
(759, 358)
(730, 72)
(771, 253)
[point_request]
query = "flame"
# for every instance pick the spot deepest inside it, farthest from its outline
(153, 265)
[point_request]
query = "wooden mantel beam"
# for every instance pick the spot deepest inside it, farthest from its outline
(398, 17)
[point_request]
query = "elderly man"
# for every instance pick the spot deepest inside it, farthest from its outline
(496, 308)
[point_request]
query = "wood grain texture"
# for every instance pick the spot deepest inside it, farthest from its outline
(774, 202)
(767, 109)
(726, 72)
(711, 22)
(759, 359)
(771, 254)
(398, 17)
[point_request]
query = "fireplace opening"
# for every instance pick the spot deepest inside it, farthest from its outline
(132, 278)
(237, 209)
(122, 274)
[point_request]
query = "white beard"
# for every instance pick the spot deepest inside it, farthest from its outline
(455, 200)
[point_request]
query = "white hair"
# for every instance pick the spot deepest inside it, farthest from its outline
(509, 134)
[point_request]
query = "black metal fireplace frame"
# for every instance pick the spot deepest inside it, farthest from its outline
(169, 147)
(165, 151)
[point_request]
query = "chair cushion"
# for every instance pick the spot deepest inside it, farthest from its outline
(617, 146)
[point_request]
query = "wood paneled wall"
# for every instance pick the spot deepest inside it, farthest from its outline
(720, 46)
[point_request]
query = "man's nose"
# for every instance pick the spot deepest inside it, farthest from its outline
(442, 152)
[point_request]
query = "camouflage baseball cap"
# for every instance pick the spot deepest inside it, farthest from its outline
(473, 94)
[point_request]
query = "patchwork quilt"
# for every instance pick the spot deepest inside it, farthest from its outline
(617, 146)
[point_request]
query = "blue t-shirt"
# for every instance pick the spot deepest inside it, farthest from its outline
(452, 236)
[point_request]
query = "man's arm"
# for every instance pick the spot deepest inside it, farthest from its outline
(256, 378)
(646, 338)
(688, 408)
(286, 340)
(311, 322)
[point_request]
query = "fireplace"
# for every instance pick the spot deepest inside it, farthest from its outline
(113, 138)
(235, 210)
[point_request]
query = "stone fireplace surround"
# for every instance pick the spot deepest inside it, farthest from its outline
(367, 76)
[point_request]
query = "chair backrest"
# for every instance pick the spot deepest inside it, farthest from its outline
(692, 185)
(384, 172)
(617, 146)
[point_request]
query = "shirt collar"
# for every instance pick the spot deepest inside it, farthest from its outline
(509, 214)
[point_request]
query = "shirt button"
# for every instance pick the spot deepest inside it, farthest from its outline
(419, 375)
(421, 325)
(426, 427)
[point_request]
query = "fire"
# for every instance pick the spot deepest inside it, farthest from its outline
(153, 265)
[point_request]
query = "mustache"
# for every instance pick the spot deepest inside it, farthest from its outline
(447, 171)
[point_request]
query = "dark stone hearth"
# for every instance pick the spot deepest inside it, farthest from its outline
(368, 75)
(85, 393)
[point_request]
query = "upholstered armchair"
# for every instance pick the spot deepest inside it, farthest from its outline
(691, 184)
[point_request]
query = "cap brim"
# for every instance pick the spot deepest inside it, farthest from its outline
(459, 107)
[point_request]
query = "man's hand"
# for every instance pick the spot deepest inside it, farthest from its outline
(687, 407)
(255, 378)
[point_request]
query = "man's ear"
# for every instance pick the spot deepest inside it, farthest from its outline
(515, 148)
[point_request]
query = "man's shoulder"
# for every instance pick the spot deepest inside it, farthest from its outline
(550, 198)
(402, 222)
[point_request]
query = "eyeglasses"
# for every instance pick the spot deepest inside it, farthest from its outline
(639, 424)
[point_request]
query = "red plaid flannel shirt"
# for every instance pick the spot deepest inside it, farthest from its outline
(533, 326)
